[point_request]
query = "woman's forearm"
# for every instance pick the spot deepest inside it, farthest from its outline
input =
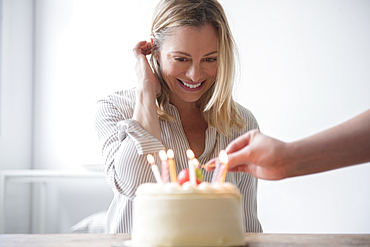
(145, 112)
(343, 145)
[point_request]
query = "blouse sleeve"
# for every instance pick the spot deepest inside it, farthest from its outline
(124, 145)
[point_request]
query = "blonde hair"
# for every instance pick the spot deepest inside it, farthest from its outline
(217, 104)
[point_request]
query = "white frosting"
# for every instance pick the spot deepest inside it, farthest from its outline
(206, 187)
(149, 188)
(187, 188)
(187, 215)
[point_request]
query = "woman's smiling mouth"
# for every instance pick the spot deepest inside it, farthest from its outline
(192, 86)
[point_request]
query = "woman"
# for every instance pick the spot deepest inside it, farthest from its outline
(184, 102)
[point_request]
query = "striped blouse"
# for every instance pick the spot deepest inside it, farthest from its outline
(125, 145)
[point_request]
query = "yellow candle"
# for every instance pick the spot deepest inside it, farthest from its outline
(171, 165)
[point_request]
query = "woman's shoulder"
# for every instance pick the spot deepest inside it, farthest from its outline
(121, 98)
(127, 94)
(243, 110)
(118, 105)
(247, 115)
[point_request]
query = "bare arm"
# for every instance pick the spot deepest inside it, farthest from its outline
(267, 158)
(343, 145)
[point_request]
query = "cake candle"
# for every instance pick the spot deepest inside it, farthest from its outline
(155, 169)
(196, 163)
(163, 156)
(192, 175)
(171, 165)
(224, 161)
(217, 172)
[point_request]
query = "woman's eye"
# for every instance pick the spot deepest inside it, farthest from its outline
(210, 59)
(180, 59)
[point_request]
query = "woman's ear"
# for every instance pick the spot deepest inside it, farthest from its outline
(157, 56)
(155, 50)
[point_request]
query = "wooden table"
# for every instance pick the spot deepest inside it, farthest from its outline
(253, 240)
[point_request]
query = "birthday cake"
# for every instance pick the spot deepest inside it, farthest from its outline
(188, 215)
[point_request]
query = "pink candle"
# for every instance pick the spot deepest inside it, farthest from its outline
(163, 156)
(224, 161)
(219, 174)
(155, 169)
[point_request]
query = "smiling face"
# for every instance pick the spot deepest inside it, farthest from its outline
(188, 61)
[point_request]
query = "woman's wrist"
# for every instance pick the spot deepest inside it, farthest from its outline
(145, 112)
(146, 91)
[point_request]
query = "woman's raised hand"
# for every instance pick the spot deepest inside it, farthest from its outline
(145, 112)
(145, 75)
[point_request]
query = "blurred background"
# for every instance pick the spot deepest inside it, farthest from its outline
(304, 67)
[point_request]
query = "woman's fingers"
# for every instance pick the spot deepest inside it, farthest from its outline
(147, 49)
(142, 48)
(144, 72)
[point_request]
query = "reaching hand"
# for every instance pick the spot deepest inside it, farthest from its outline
(258, 155)
(346, 144)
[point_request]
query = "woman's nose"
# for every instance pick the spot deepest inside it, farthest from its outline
(194, 73)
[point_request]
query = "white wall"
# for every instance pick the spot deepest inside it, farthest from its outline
(83, 53)
(303, 69)
(16, 106)
(16, 85)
